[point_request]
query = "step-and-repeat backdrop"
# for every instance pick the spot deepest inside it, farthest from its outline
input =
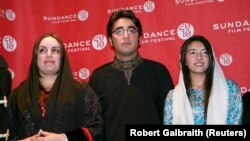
(166, 24)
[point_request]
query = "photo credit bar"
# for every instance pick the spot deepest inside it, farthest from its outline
(162, 132)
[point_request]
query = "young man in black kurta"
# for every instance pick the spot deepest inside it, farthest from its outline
(132, 89)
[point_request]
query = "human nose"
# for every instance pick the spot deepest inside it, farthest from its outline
(199, 55)
(49, 52)
(126, 33)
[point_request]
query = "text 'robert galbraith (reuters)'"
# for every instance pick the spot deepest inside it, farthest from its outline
(185, 133)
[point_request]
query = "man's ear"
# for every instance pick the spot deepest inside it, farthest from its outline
(139, 41)
(111, 42)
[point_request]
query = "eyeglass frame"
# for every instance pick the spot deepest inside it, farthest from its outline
(53, 50)
(120, 31)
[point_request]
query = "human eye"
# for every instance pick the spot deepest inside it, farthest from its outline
(204, 52)
(56, 50)
(119, 31)
(132, 30)
(192, 52)
(42, 50)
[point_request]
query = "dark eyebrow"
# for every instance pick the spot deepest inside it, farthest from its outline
(56, 47)
(119, 27)
(42, 46)
(132, 27)
(192, 49)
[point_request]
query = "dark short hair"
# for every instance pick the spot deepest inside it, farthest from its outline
(123, 14)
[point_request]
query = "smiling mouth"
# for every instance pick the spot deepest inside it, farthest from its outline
(199, 64)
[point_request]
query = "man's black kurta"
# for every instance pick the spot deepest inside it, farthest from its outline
(140, 102)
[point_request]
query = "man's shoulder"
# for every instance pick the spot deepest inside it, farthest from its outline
(148, 61)
(153, 63)
(102, 67)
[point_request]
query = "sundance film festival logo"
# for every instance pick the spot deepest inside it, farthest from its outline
(9, 14)
(9, 43)
(78, 46)
(195, 2)
(83, 73)
(158, 36)
(226, 59)
(82, 15)
(148, 6)
(99, 42)
(233, 26)
(185, 31)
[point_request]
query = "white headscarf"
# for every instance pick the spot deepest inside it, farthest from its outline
(218, 101)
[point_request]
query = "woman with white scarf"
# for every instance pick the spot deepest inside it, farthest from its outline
(202, 95)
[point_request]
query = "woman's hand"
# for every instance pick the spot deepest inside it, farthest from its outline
(46, 136)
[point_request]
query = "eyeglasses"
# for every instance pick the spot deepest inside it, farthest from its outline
(53, 50)
(121, 31)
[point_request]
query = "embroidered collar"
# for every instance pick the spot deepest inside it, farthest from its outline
(127, 66)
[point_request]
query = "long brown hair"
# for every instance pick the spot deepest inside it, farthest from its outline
(36, 48)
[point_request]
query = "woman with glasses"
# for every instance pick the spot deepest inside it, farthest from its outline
(132, 89)
(203, 95)
(50, 105)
